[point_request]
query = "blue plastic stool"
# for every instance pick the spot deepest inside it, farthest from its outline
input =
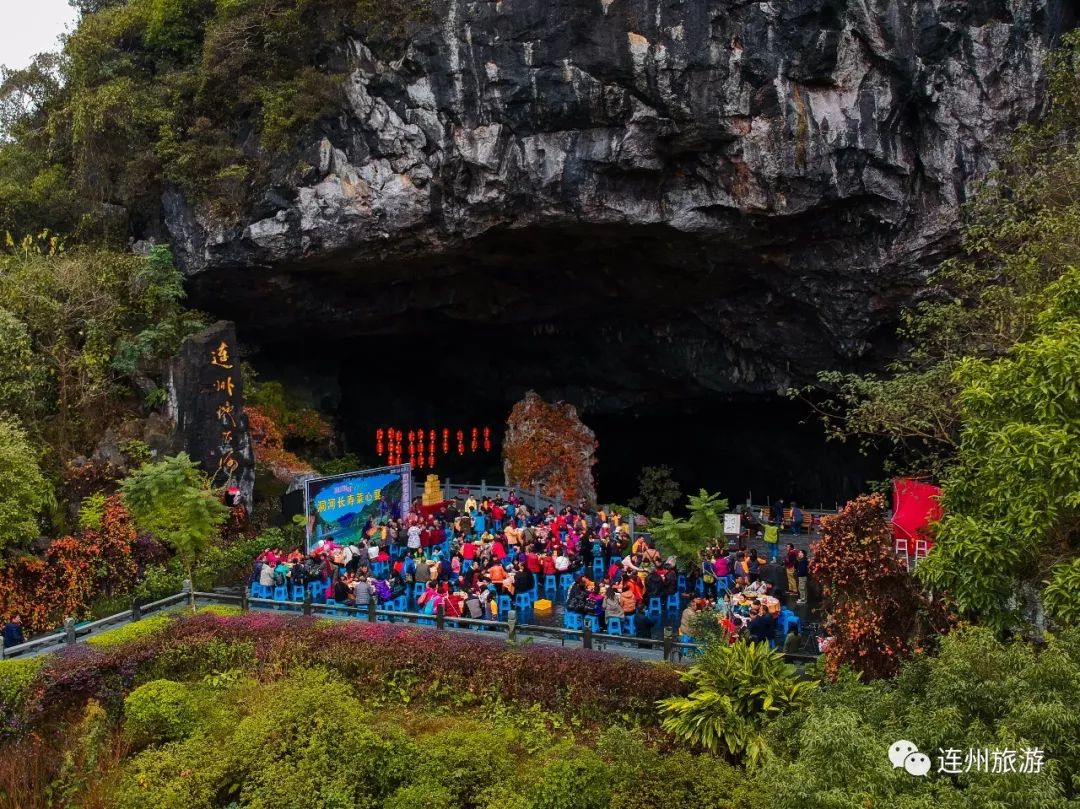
(264, 591)
(524, 601)
(380, 569)
(598, 569)
(566, 581)
(281, 592)
(699, 587)
(318, 590)
(466, 565)
(653, 609)
(597, 549)
(297, 592)
(592, 622)
(672, 602)
(614, 626)
(631, 625)
(551, 585)
(572, 620)
(331, 603)
(253, 590)
(682, 582)
(401, 603)
(418, 589)
(505, 605)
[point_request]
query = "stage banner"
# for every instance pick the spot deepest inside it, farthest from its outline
(345, 508)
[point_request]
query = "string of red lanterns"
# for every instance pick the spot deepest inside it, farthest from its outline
(390, 443)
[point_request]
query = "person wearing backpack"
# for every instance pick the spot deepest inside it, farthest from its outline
(708, 577)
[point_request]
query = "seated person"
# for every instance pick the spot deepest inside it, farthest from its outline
(762, 627)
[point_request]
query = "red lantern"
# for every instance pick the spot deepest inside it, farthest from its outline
(487, 433)
(445, 440)
(460, 448)
(431, 460)
(420, 442)
(379, 449)
(487, 445)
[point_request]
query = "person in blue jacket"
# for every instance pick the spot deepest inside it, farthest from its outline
(13, 634)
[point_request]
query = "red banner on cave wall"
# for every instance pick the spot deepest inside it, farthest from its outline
(915, 506)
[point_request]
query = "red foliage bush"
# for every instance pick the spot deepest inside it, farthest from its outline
(43, 590)
(268, 442)
(593, 686)
(877, 608)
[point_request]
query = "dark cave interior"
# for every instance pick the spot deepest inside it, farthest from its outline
(673, 351)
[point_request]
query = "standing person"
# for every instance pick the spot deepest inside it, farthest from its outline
(802, 574)
(796, 518)
(708, 577)
(13, 634)
(789, 568)
(772, 540)
(777, 512)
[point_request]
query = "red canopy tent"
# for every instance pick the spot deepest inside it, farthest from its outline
(915, 506)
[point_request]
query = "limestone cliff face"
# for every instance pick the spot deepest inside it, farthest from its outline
(756, 185)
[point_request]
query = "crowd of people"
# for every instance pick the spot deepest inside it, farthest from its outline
(462, 558)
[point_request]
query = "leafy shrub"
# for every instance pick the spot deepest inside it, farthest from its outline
(92, 512)
(158, 582)
(879, 612)
(159, 711)
(22, 487)
(73, 572)
(736, 688)
(643, 777)
(172, 500)
(16, 677)
(567, 783)
(144, 628)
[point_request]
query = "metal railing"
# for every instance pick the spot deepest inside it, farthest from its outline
(513, 631)
(71, 632)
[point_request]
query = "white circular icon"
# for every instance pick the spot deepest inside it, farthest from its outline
(917, 764)
(901, 750)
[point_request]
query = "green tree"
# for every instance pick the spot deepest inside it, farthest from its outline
(737, 689)
(685, 539)
(96, 322)
(20, 374)
(1012, 497)
(22, 487)
(172, 500)
(658, 491)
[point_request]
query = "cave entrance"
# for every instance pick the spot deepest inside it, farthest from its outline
(673, 350)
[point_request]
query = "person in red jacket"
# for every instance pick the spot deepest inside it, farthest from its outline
(547, 564)
(532, 563)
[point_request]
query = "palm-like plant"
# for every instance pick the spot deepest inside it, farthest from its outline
(738, 688)
(685, 539)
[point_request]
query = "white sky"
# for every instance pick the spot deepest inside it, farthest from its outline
(28, 27)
